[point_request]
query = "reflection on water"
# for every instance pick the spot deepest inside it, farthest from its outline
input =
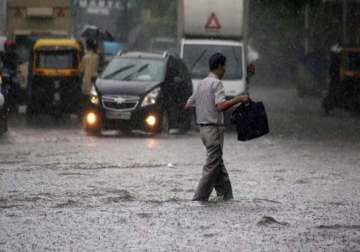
(151, 143)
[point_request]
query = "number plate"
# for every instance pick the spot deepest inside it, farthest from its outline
(118, 115)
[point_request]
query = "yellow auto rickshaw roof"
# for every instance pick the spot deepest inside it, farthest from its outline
(57, 43)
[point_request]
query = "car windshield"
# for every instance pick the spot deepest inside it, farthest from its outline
(135, 69)
(57, 59)
(196, 58)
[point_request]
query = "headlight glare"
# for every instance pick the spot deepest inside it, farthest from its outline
(151, 120)
(94, 98)
(91, 118)
(151, 98)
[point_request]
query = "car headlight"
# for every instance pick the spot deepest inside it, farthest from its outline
(151, 98)
(94, 98)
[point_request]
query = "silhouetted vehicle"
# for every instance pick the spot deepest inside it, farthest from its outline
(140, 91)
(3, 115)
(54, 82)
(10, 89)
(344, 85)
(3, 107)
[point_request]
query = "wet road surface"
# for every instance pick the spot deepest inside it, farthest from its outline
(296, 189)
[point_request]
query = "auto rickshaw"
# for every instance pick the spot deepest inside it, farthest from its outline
(344, 82)
(54, 85)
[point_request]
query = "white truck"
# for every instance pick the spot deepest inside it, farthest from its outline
(209, 26)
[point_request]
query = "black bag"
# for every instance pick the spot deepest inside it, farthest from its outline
(250, 120)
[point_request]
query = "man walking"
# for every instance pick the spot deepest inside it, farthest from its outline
(89, 66)
(210, 103)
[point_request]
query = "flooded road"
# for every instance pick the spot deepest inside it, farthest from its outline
(296, 189)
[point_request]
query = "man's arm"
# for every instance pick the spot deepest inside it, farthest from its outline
(221, 103)
(225, 105)
(82, 65)
(190, 104)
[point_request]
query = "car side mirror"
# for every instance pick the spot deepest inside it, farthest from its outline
(93, 79)
(251, 70)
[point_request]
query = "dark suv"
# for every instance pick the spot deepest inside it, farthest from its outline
(140, 91)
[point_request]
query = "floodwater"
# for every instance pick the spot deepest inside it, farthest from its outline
(296, 189)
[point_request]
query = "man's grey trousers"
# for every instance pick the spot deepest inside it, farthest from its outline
(214, 174)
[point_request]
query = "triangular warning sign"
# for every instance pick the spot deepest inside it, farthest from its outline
(213, 22)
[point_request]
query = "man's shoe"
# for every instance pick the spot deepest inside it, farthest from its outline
(218, 198)
(221, 198)
(200, 199)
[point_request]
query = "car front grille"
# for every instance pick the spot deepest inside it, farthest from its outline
(120, 102)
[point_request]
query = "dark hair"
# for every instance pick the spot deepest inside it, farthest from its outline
(217, 60)
(91, 44)
(9, 45)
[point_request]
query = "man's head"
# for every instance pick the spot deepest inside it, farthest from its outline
(91, 45)
(9, 45)
(217, 64)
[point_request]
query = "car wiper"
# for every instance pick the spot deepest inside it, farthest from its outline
(118, 71)
(142, 68)
(198, 59)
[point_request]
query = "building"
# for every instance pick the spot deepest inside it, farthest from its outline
(2, 17)
(109, 15)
